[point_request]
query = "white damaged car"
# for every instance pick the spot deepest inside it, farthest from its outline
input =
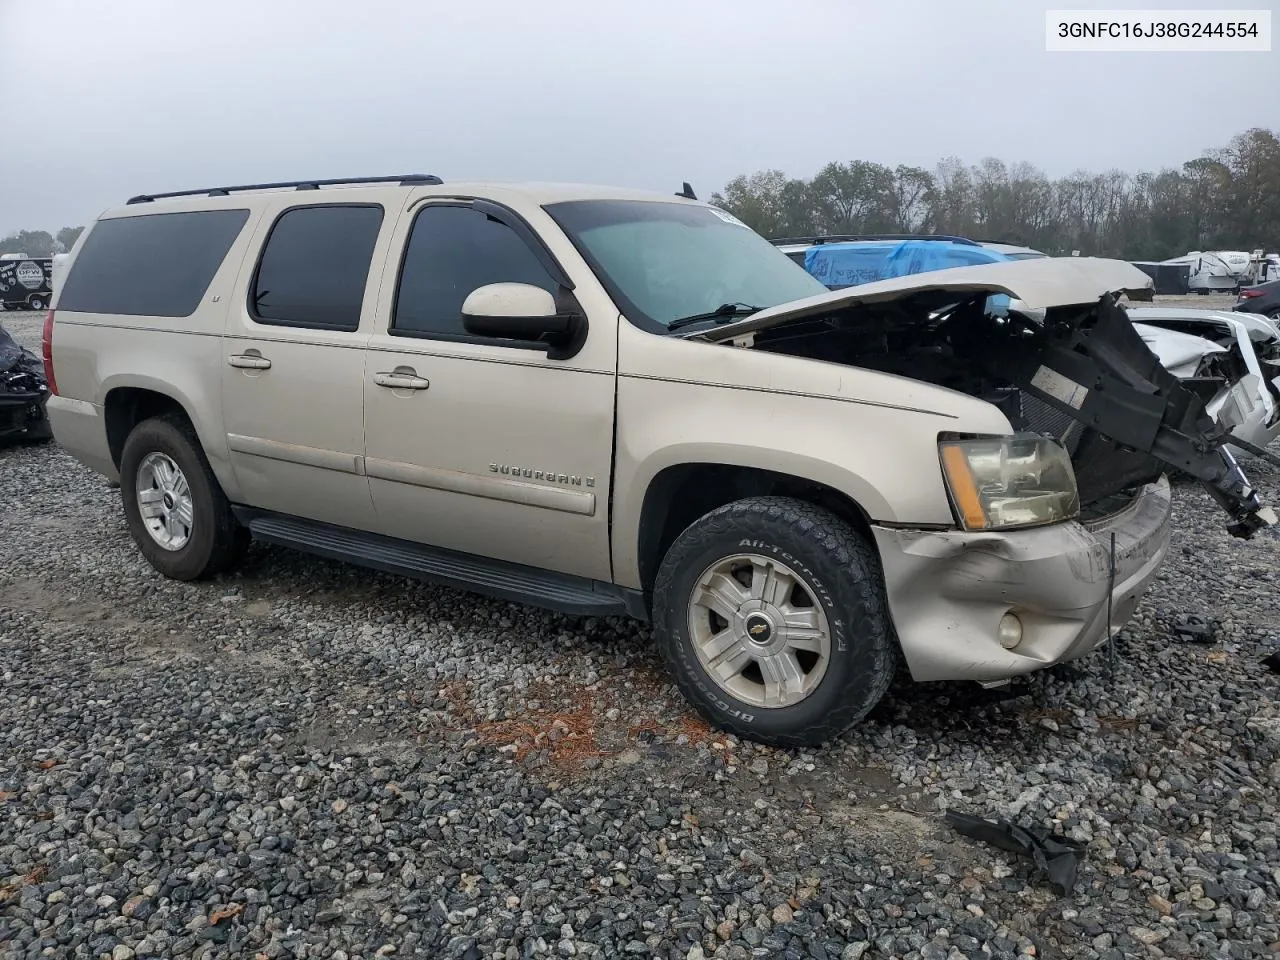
(1231, 359)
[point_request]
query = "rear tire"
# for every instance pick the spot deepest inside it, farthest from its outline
(794, 593)
(38, 303)
(190, 533)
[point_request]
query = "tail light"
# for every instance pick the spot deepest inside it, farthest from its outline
(1250, 294)
(46, 352)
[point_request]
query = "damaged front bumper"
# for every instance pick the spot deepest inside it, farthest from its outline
(1244, 409)
(22, 415)
(948, 591)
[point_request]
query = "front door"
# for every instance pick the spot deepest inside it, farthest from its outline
(293, 365)
(485, 446)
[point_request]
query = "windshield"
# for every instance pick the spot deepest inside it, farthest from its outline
(662, 262)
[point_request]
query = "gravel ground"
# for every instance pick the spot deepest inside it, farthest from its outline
(310, 760)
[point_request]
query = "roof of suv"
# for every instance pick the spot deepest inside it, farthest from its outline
(315, 190)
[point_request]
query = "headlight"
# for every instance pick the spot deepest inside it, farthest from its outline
(1022, 480)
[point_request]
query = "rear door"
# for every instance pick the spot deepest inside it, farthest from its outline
(293, 361)
(484, 446)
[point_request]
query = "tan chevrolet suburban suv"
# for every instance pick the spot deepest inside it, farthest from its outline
(610, 402)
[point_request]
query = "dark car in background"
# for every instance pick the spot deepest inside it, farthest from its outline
(24, 391)
(1264, 298)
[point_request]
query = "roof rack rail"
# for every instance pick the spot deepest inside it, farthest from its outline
(849, 237)
(405, 180)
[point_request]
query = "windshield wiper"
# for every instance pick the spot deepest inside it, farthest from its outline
(721, 314)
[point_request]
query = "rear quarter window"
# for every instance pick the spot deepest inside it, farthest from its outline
(155, 265)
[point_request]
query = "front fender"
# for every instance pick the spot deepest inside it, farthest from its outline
(884, 459)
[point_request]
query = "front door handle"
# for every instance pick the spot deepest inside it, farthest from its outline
(247, 361)
(401, 379)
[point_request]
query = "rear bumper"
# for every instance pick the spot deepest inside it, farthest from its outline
(80, 429)
(948, 590)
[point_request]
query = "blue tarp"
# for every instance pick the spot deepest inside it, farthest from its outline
(840, 265)
(848, 264)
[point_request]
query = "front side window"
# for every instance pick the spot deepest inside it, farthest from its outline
(314, 267)
(452, 251)
(663, 262)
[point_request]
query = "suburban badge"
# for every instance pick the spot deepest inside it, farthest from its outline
(551, 476)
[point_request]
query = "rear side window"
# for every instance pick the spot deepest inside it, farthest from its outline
(314, 267)
(451, 252)
(156, 265)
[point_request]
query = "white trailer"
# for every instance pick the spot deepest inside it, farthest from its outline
(1210, 272)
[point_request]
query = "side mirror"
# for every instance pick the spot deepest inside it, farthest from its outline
(517, 311)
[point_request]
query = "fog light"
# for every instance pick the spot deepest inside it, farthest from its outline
(1010, 632)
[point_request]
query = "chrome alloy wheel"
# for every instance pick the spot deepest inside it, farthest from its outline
(164, 501)
(758, 631)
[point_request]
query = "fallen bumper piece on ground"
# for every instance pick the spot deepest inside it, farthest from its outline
(1195, 629)
(1057, 857)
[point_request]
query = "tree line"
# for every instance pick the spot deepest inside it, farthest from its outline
(1226, 199)
(40, 243)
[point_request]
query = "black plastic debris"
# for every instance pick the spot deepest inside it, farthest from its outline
(1056, 856)
(1272, 662)
(23, 392)
(1194, 628)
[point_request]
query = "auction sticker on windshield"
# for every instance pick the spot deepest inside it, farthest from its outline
(727, 217)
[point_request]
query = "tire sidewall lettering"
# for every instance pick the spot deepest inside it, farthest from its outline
(713, 696)
(812, 580)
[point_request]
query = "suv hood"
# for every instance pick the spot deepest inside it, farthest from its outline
(1039, 284)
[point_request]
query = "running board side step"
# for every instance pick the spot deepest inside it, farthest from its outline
(575, 596)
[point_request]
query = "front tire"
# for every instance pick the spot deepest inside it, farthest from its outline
(38, 303)
(770, 612)
(173, 504)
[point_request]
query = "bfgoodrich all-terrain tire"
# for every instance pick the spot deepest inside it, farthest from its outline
(771, 614)
(174, 506)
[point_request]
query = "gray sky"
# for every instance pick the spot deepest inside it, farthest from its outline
(120, 97)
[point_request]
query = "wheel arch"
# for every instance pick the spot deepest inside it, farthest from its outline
(123, 408)
(127, 404)
(680, 494)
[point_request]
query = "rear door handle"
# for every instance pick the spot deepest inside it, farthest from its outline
(401, 380)
(249, 362)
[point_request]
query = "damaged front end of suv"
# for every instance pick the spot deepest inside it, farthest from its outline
(1079, 373)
